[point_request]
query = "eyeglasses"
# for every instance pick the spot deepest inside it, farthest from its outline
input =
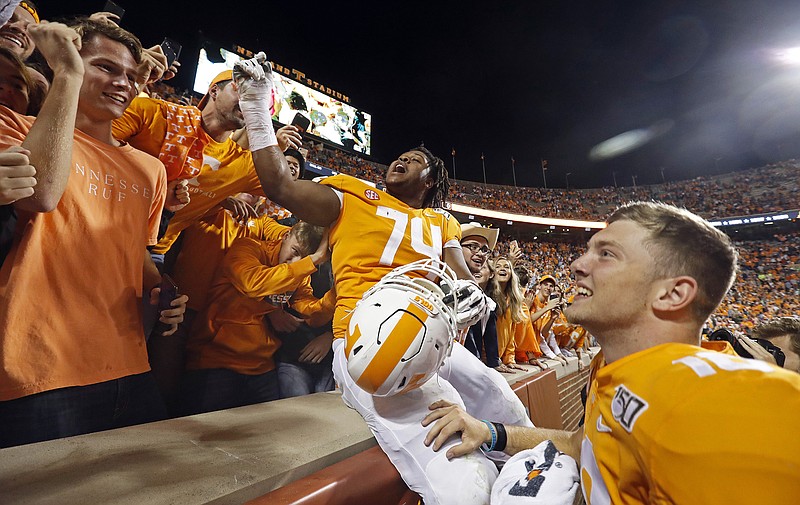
(476, 248)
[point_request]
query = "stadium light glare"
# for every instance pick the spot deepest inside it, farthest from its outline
(787, 56)
(523, 218)
(630, 140)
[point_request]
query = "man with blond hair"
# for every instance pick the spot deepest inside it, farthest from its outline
(666, 420)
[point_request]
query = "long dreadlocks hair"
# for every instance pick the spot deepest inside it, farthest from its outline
(436, 197)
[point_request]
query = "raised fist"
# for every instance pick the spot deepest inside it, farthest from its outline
(255, 68)
(253, 77)
(60, 46)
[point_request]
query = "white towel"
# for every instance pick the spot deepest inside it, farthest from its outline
(539, 476)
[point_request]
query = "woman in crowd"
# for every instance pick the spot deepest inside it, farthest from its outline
(509, 309)
(481, 339)
(526, 343)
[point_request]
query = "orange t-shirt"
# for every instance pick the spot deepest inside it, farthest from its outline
(375, 233)
(505, 337)
(568, 336)
(232, 332)
(72, 283)
(204, 246)
(525, 338)
(680, 424)
(174, 133)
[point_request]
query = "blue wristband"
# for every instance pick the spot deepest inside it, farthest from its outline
(493, 431)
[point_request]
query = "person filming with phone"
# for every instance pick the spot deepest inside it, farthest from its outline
(545, 308)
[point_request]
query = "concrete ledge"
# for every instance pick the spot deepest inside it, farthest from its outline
(225, 457)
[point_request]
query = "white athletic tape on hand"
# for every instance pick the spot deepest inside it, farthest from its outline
(253, 78)
(258, 122)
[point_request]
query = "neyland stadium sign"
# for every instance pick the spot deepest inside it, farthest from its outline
(298, 76)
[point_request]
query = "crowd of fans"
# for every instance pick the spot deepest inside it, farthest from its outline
(765, 189)
(769, 188)
(768, 285)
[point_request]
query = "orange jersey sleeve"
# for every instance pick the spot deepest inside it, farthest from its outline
(204, 246)
(227, 170)
(259, 279)
(680, 424)
(317, 311)
(232, 332)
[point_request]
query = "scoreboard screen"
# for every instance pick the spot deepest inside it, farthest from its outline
(328, 117)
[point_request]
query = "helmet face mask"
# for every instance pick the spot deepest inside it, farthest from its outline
(402, 329)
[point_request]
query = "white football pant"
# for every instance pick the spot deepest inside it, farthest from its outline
(396, 422)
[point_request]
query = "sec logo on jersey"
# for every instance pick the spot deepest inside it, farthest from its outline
(372, 195)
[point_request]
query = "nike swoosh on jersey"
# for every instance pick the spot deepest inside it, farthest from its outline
(602, 428)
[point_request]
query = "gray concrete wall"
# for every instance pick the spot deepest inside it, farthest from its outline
(225, 457)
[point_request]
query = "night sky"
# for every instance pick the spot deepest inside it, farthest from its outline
(529, 80)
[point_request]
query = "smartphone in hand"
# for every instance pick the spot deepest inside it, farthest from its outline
(172, 50)
(301, 122)
(169, 291)
(115, 9)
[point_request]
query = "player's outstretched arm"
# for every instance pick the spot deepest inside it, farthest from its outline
(310, 202)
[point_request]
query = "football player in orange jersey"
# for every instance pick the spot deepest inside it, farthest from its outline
(666, 420)
(372, 233)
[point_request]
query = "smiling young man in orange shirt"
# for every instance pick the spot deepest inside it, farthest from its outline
(72, 345)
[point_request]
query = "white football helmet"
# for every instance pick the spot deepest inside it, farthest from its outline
(402, 329)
